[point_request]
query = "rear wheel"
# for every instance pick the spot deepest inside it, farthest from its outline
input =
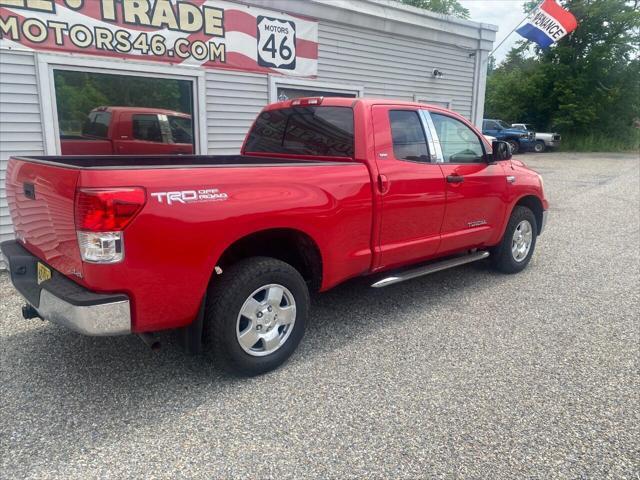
(518, 243)
(256, 315)
(515, 146)
(539, 146)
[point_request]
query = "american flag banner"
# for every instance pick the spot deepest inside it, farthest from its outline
(548, 23)
(197, 33)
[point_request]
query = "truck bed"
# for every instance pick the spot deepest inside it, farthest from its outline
(181, 241)
(102, 162)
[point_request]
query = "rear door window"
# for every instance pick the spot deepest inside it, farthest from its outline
(320, 131)
(409, 140)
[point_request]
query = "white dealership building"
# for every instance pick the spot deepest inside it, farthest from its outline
(231, 59)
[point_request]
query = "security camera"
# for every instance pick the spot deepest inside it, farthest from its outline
(436, 73)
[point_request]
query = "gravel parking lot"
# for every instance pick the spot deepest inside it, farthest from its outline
(465, 373)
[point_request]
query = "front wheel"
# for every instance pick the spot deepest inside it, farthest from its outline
(255, 315)
(518, 243)
(539, 146)
(515, 146)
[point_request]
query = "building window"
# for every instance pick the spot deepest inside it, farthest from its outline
(92, 105)
(281, 89)
(438, 102)
(288, 93)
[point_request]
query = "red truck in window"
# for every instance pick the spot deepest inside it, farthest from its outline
(131, 131)
(228, 248)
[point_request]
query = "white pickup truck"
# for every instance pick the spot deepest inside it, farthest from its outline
(543, 140)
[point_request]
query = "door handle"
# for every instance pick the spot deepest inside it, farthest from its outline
(455, 178)
(383, 184)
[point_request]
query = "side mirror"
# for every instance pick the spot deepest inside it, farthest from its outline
(501, 150)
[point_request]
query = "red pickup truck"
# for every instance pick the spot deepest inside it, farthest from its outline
(131, 131)
(227, 248)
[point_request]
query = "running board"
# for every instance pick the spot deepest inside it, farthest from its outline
(431, 268)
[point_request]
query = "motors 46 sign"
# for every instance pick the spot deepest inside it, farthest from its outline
(276, 43)
(197, 33)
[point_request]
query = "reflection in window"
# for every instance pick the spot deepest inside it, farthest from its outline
(82, 100)
(97, 125)
(181, 130)
(147, 127)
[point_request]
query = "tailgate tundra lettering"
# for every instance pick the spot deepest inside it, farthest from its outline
(191, 196)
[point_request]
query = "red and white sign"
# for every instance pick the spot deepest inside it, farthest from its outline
(198, 33)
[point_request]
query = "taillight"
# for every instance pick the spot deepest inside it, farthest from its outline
(107, 210)
(101, 216)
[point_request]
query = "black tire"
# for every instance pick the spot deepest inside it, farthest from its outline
(225, 298)
(539, 146)
(515, 146)
(502, 257)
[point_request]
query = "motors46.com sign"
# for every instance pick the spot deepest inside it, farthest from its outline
(196, 33)
(276, 43)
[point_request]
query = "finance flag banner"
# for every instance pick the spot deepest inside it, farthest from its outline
(548, 23)
(198, 33)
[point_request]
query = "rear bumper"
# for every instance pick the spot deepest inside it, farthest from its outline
(63, 301)
(552, 143)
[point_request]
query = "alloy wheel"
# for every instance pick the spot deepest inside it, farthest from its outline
(266, 320)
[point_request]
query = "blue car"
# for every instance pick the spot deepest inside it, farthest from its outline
(519, 140)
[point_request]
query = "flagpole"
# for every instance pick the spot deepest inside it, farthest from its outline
(514, 28)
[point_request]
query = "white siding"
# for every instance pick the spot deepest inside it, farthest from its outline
(233, 101)
(20, 122)
(395, 67)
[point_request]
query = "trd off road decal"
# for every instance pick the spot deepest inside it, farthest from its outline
(190, 196)
(197, 33)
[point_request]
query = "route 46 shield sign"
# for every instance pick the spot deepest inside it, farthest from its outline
(276, 43)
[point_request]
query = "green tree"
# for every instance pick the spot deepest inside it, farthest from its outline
(447, 7)
(586, 86)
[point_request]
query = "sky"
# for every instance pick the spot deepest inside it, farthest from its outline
(506, 14)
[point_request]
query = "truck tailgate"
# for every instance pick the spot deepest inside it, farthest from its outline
(41, 203)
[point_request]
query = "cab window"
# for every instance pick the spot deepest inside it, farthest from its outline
(459, 143)
(409, 140)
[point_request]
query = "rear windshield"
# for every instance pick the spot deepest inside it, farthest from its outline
(322, 131)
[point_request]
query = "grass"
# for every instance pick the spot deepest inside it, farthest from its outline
(599, 142)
